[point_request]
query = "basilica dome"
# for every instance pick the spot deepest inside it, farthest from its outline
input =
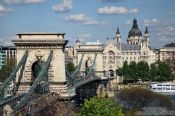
(135, 31)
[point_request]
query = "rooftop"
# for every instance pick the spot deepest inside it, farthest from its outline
(170, 45)
(41, 33)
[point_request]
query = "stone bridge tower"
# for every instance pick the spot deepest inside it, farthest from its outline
(38, 46)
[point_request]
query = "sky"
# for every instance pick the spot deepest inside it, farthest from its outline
(88, 20)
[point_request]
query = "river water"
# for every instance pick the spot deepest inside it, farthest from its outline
(173, 98)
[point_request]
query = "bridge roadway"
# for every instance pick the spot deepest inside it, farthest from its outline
(85, 81)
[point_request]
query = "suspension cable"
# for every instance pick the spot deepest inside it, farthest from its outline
(44, 69)
(13, 74)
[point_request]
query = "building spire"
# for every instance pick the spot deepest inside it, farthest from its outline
(118, 36)
(77, 41)
(135, 23)
(118, 32)
(146, 30)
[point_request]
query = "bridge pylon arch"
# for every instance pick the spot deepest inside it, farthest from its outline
(38, 46)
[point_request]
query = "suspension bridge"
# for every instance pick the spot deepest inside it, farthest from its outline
(40, 73)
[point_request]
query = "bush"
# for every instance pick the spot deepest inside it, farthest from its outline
(135, 99)
(99, 106)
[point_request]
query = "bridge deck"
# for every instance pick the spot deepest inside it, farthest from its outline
(85, 81)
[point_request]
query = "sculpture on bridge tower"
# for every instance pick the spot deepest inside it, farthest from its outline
(88, 65)
(39, 46)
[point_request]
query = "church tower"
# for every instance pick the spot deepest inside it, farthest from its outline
(118, 36)
(145, 40)
(135, 35)
(77, 43)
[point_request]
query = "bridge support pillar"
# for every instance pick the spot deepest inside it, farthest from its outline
(38, 46)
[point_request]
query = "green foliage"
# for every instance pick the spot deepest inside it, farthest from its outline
(70, 67)
(7, 69)
(133, 70)
(100, 106)
(171, 63)
(126, 70)
(161, 71)
(119, 71)
(143, 70)
(153, 72)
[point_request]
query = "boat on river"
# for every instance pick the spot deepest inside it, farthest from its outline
(167, 88)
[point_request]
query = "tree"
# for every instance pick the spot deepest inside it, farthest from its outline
(171, 63)
(165, 73)
(126, 71)
(133, 72)
(153, 72)
(161, 71)
(99, 106)
(143, 70)
(70, 67)
(7, 69)
(119, 71)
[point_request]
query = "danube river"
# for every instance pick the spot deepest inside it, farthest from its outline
(173, 98)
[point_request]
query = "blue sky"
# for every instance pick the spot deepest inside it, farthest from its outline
(88, 20)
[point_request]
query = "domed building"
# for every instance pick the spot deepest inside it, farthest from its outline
(113, 52)
(135, 34)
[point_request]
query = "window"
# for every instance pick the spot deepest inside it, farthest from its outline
(163, 58)
(111, 57)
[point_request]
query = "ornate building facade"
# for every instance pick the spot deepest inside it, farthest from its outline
(114, 52)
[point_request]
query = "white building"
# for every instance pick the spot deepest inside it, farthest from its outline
(115, 52)
(7, 53)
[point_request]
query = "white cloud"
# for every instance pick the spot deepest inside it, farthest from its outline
(112, 0)
(162, 30)
(116, 10)
(4, 10)
(135, 10)
(84, 35)
(6, 41)
(167, 31)
(63, 7)
(129, 22)
(151, 22)
(81, 18)
(22, 1)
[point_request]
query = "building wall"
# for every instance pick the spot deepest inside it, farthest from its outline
(166, 53)
(111, 58)
(130, 55)
(7, 53)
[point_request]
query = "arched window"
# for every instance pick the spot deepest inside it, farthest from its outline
(111, 57)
